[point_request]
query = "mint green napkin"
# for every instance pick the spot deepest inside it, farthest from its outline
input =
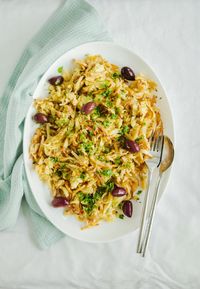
(74, 23)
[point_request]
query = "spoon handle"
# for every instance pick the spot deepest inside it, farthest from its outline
(144, 214)
(151, 218)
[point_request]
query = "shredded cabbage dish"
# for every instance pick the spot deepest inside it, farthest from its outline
(93, 139)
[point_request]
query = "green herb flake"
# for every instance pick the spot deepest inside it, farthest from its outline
(91, 133)
(81, 196)
(63, 166)
(100, 158)
(88, 147)
(106, 150)
(138, 139)
(139, 192)
(110, 186)
(88, 201)
(121, 216)
(54, 160)
(113, 116)
(116, 75)
(82, 175)
(60, 69)
(107, 188)
(82, 137)
(107, 173)
(65, 175)
(125, 130)
(117, 161)
(107, 93)
(106, 123)
(59, 173)
(120, 205)
(109, 103)
(97, 111)
(105, 84)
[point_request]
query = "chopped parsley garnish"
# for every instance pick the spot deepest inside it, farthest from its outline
(88, 201)
(120, 205)
(83, 137)
(88, 147)
(106, 150)
(121, 216)
(107, 173)
(117, 161)
(54, 160)
(107, 93)
(108, 187)
(91, 133)
(60, 69)
(139, 138)
(109, 103)
(63, 165)
(139, 192)
(125, 130)
(59, 173)
(100, 158)
(105, 84)
(97, 111)
(106, 123)
(116, 75)
(113, 116)
(82, 175)
(65, 175)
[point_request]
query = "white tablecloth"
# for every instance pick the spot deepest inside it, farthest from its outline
(167, 35)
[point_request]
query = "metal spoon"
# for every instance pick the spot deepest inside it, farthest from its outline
(167, 159)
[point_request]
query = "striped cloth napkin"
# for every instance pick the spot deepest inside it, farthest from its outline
(74, 23)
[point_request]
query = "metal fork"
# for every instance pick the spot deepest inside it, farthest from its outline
(156, 146)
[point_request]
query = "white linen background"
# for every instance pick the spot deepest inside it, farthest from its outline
(167, 35)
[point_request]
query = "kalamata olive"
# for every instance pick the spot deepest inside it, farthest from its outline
(56, 80)
(40, 117)
(88, 107)
(127, 208)
(118, 192)
(131, 146)
(59, 202)
(127, 73)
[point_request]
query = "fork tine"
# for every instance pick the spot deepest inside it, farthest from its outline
(160, 148)
(155, 143)
(158, 143)
(151, 140)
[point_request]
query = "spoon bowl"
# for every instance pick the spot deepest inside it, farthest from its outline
(168, 154)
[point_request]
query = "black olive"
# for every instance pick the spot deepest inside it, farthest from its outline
(88, 107)
(40, 117)
(56, 80)
(127, 73)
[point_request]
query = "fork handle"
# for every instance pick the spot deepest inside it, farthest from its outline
(144, 213)
(151, 218)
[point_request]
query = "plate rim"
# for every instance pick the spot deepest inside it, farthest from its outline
(106, 43)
